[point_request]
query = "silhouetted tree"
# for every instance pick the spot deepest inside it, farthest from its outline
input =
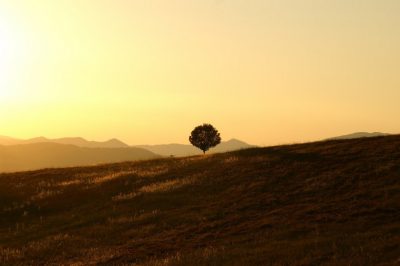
(205, 137)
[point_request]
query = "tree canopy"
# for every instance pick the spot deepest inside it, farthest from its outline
(205, 137)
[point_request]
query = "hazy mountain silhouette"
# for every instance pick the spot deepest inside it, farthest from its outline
(358, 135)
(187, 150)
(45, 155)
(163, 149)
(9, 141)
(80, 142)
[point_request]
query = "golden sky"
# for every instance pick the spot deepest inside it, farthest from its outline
(149, 71)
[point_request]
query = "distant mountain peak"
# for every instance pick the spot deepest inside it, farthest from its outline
(357, 135)
(76, 141)
(233, 140)
(117, 142)
(114, 140)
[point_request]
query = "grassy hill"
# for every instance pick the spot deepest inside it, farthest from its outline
(324, 203)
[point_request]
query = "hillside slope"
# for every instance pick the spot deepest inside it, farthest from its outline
(358, 135)
(325, 203)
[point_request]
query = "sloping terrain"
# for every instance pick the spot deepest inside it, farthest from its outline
(189, 150)
(358, 135)
(45, 155)
(324, 203)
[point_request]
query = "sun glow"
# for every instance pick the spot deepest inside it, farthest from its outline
(13, 56)
(267, 72)
(4, 93)
(8, 49)
(5, 63)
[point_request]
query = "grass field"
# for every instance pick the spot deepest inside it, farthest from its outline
(324, 203)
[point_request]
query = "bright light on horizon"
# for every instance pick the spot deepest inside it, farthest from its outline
(265, 72)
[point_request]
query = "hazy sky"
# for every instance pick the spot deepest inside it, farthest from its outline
(149, 71)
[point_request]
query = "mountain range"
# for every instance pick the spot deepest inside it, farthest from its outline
(14, 158)
(359, 135)
(80, 142)
(41, 152)
(163, 149)
(36, 153)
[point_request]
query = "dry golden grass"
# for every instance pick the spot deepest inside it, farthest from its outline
(163, 186)
(45, 194)
(167, 185)
(325, 203)
(132, 219)
(70, 183)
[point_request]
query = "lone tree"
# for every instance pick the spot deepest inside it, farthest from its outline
(205, 137)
